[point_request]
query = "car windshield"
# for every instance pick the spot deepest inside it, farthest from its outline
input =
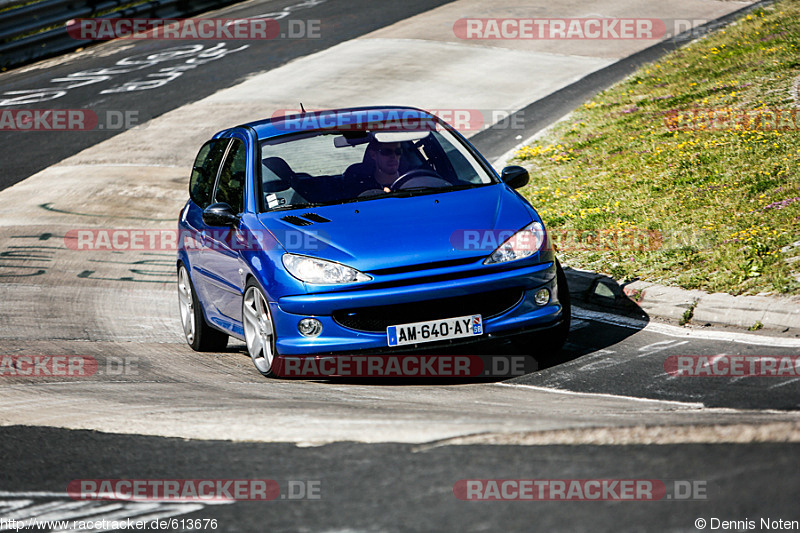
(331, 167)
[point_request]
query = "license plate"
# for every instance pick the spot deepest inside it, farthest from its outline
(435, 330)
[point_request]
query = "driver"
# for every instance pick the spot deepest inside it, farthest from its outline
(386, 157)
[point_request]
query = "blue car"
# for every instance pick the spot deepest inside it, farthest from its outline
(363, 230)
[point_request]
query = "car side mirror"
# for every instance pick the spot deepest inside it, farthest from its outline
(219, 214)
(515, 176)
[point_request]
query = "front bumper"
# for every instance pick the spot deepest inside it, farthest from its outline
(522, 317)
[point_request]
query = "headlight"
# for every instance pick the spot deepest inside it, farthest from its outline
(523, 243)
(312, 270)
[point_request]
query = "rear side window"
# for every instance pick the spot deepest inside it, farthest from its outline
(204, 171)
(230, 188)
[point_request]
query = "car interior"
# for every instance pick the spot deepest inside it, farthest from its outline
(284, 186)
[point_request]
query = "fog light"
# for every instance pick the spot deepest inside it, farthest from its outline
(542, 297)
(309, 327)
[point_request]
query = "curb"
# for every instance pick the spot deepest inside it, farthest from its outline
(775, 314)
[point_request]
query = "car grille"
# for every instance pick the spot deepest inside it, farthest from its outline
(377, 319)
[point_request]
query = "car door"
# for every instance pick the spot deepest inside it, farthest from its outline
(201, 189)
(224, 283)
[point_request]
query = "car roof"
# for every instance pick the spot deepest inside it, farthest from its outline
(351, 118)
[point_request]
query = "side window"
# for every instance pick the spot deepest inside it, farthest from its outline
(204, 171)
(230, 188)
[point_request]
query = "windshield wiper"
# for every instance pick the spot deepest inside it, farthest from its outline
(406, 192)
(294, 206)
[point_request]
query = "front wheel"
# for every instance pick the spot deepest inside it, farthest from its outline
(259, 331)
(200, 336)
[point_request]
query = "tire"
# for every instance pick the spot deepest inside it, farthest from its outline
(199, 335)
(545, 347)
(259, 330)
(559, 335)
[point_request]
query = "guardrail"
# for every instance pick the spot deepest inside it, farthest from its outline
(39, 30)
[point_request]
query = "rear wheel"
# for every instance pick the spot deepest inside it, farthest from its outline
(200, 336)
(545, 347)
(259, 331)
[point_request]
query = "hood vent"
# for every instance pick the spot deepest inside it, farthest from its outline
(315, 217)
(297, 221)
(306, 220)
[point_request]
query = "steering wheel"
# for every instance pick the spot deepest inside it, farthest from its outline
(416, 173)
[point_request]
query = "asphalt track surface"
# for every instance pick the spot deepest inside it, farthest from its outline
(41, 148)
(384, 454)
(398, 487)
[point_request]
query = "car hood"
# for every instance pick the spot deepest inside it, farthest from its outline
(395, 232)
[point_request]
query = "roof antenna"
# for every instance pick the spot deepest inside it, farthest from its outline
(303, 109)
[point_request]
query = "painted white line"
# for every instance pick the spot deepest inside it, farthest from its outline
(33, 494)
(627, 435)
(686, 405)
(783, 384)
(676, 331)
(145, 165)
(47, 494)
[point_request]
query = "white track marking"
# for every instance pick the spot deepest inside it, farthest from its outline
(685, 405)
(783, 383)
(49, 494)
(676, 331)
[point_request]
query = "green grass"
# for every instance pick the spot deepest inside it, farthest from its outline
(698, 209)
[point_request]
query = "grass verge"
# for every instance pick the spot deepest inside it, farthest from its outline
(687, 172)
